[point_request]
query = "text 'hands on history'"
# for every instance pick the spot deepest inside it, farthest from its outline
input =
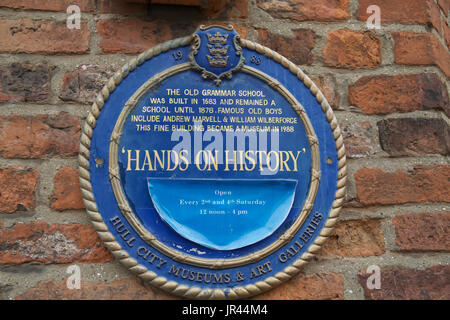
(207, 160)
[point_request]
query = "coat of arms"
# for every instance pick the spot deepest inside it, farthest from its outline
(216, 52)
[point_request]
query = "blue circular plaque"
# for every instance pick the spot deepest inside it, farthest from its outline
(212, 167)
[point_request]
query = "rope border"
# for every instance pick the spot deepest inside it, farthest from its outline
(151, 277)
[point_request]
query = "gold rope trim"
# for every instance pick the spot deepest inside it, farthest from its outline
(172, 286)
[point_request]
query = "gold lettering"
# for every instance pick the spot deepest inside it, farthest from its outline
(294, 160)
(158, 158)
(184, 159)
(226, 161)
(169, 160)
(283, 161)
(247, 157)
(130, 159)
(198, 157)
(147, 161)
(269, 162)
(212, 159)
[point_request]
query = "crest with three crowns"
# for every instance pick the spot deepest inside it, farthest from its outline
(216, 52)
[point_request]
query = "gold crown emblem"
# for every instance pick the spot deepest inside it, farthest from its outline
(218, 50)
(217, 38)
(217, 61)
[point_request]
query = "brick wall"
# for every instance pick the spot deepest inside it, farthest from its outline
(388, 87)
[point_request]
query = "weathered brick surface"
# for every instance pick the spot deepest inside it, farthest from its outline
(121, 7)
(41, 136)
(444, 5)
(420, 49)
(423, 184)
(18, 189)
(327, 84)
(195, 8)
(66, 192)
(352, 49)
(25, 82)
(355, 238)
(423, 231)
(320, 286)
(3, 290)
(414, 136)
(399, 93)
(132, 35)
(49, 5)
(435, 16)
(84, 84)
(402, 283)
(297, 48)
(446, 34)
(54, 243)
(186, 9)
(42, 36)
(226, 8)
(404, 11)
(304, 10)
(126, 289)
(359, 139)
(135, 35)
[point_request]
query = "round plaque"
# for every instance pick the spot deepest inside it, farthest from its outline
(212, 167)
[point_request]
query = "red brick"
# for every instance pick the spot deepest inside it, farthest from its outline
(422, 231)
(121, 7)
(25, 82)
(420, 49)
(445, 6)
(18, 189)
(126, 289)
(132, 35)
(66, 190)
(85, 83)
(42, 36)
(403, 11)
(447, 34)
(327, 84)
(319, 286)
(3, 290)
(414, 137)
(297, 48)
(40, 136)
(435, 17)
(140, 7)
(306, 10)
(215, 7)
(359, 139)
(239, 9)
(48, 5)
(352, 49)
(226, 9)
(56, 243)
(175, 2)
(355, 238)
(240, 29)
(401, 283)
(423, 184)
(399, 93)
